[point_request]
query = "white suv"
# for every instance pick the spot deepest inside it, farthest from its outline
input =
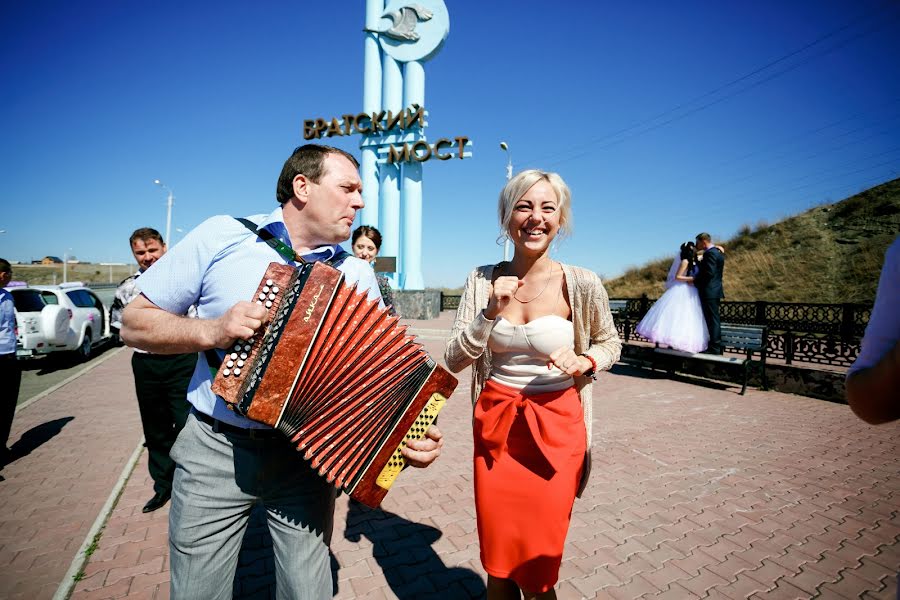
(50, 318)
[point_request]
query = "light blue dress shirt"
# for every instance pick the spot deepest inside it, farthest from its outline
(883, 330)
(8, 323)
(219, 264)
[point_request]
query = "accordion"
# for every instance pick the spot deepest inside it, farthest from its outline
(338, 375)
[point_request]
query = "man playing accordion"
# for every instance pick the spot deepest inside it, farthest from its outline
(226, 462)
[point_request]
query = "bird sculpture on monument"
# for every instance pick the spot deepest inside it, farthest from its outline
(403, 22)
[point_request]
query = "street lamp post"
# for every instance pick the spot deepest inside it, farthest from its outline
(505, 146)
(169, 202)
(509, 168)
(111, 265)
(66, 265)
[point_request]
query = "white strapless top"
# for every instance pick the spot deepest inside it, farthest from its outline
(520, 353)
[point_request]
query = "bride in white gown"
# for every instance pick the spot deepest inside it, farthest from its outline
(676, 319)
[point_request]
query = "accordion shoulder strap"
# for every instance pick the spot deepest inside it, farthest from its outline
(212, 357)
(286, 252)
(339, 257)
(263, 234)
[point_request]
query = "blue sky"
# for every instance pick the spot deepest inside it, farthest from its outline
(665, 118)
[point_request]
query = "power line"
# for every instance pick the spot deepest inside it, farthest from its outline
(720, 88)
(796, 160)
(894, 161)
(714, 102)
(811, 132)
(767, 195)
(839, 191)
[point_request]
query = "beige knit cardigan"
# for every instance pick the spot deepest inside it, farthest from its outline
(595, 334)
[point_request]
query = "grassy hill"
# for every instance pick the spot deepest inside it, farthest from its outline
(831, 253)
(83, 272)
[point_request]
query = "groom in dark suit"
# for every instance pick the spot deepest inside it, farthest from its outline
(708, 281)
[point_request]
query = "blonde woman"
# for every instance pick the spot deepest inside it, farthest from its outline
(536, 332)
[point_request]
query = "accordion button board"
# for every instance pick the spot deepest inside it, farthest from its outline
(397, 463)
(338, 375)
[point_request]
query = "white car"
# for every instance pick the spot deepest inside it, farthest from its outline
(51, 318)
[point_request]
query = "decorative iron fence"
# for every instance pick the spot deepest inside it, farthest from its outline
(449, 302)
(826, 334)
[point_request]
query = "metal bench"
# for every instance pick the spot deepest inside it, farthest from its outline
(749, 338)
(618, 307)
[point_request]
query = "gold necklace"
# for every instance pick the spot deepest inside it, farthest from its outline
(546, 285)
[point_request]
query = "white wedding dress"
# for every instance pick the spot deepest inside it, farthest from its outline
(676, 319)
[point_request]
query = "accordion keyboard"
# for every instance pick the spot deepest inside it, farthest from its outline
(337, 375)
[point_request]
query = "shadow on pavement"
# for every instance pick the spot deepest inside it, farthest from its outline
(403, 551)
(33, 439)
(631, 370)
(60, 361)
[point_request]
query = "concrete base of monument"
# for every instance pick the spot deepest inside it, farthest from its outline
(418, 304)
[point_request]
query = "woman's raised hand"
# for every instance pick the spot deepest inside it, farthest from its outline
(568, 362)
(500, 294)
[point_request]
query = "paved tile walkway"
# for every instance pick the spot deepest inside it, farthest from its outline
(696, 492)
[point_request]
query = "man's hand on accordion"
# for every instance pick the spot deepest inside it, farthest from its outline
(421, 453)
(240, 322)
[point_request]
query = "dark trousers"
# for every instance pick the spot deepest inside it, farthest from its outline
(161, 383)
(711, 314)
(10, 380)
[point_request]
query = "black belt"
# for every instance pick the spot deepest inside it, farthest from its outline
(222, 427)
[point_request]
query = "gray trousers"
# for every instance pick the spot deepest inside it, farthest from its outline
(218, 478)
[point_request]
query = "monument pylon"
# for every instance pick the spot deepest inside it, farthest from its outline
(400, 37)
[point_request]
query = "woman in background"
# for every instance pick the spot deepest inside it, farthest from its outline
(676, 319)
(366, 242)
(536, 332)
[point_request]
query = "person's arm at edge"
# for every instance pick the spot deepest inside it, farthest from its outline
(148, 327)
(874, 394)
(873, 383)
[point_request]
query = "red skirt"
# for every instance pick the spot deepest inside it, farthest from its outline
(529, 456)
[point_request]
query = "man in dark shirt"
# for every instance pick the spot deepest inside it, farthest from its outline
(10, 372)
(709, 285)
(160, 380)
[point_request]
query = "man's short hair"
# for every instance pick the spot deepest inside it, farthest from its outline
(5, 267)
(145, 234)
(704, 237)
(307, 160)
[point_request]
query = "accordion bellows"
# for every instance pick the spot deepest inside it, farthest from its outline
(337, 375)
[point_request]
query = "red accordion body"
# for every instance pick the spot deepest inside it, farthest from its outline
(336, 374)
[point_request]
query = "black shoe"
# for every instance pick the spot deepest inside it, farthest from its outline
(158, 500)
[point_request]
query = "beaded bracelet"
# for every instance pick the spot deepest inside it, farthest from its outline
(590, 372)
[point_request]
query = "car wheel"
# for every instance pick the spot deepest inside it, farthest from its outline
(84, 351)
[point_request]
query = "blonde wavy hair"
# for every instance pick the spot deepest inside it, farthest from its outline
(516, 187)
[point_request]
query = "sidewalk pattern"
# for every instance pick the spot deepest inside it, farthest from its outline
(71, 447)
(696, 492)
